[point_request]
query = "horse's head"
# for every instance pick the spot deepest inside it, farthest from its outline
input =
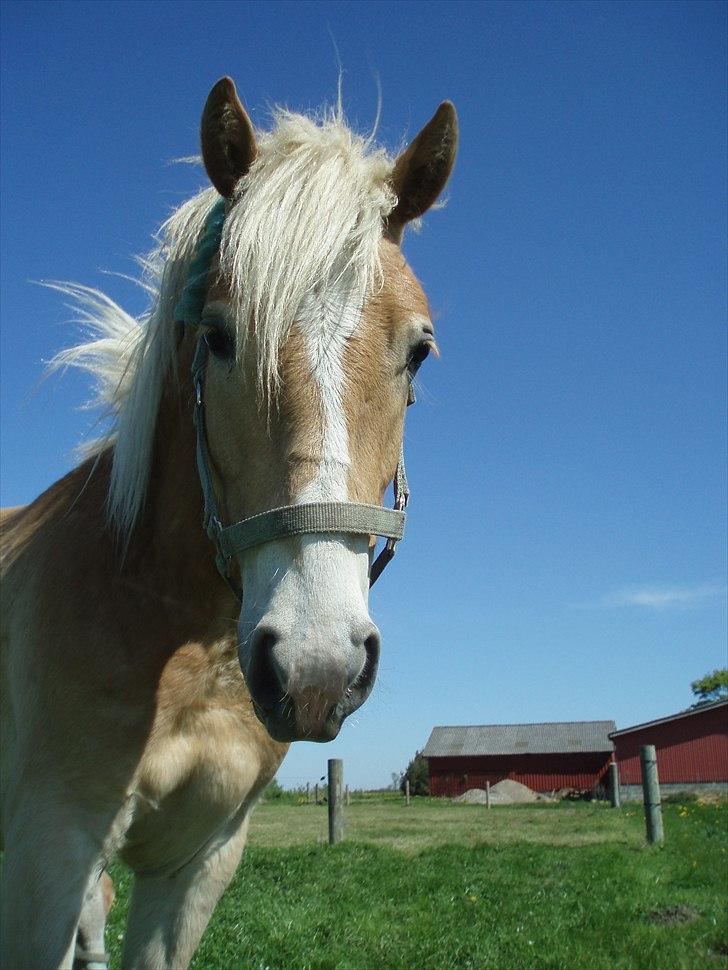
(314, 326)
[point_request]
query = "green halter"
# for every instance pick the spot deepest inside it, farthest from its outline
(190, 304)
(315, 518)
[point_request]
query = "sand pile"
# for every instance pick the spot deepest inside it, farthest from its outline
(506, 792)
(519, 794)
(477, 796)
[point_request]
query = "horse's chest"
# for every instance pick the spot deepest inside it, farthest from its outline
(196, 776)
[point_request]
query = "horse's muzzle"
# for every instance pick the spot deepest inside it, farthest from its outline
(308, 704)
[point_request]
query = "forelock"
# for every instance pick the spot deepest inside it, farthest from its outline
(307, 216)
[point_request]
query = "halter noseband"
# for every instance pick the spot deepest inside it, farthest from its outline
(314, 518)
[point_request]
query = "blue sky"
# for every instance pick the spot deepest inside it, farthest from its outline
(565, 556)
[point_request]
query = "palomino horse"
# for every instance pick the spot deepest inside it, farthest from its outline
(128, 727)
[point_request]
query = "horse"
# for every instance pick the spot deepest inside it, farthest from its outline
(89, 952)
(193, 596)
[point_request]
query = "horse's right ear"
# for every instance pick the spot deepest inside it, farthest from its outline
(228, 138)
(421, 171)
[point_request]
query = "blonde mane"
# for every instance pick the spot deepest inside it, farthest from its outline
(308, 214)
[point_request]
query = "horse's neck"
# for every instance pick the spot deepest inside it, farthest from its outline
(168, 550)
(162, 582)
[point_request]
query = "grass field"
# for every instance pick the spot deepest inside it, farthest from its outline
(440, 885)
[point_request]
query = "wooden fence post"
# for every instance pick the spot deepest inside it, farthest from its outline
(487, 794)
(651, 794)
(406, 792)
(615, 799)
(308, 793)
(315, 794)
(336, 802)
(346, 796)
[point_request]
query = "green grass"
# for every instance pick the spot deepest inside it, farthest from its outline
(440, 885)
(434, 821)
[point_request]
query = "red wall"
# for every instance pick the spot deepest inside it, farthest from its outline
(689, 749)
(541, 772)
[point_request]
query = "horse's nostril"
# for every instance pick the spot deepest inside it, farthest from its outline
(263, 675)
(264, 639)
(368, 670)
(371, 645)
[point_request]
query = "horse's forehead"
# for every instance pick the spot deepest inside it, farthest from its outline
(401, 289)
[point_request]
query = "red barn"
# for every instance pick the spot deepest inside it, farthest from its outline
(691, 746)
(546, 757)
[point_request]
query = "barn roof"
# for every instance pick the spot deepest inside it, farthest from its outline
(553, 737)
(700, 709)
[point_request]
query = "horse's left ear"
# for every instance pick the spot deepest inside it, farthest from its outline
(228, 138)
(421, 171)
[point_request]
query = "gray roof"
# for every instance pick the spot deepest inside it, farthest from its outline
(554, 737)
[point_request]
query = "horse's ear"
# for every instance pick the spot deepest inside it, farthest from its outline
(421, 171)
(228, 139)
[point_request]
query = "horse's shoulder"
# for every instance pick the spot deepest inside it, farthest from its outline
(207, 757)
(205, 715)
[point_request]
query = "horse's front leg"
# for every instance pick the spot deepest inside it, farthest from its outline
(90, 951)
(49, 858)
(170, 910)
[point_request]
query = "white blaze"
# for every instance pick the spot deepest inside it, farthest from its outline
(327, 322)
(315, 588)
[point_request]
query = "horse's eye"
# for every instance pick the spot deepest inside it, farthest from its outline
(220, 343)
(417, 356)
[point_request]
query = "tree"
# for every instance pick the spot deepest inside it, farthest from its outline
(417, 775)
(711, 687)
(274, 791)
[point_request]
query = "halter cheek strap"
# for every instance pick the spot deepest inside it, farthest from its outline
(315, 518)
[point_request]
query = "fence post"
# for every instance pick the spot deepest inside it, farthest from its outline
(615, 799)
(308, 793)
(346, 796)
(336, 803)
(406, 792)
(487, 794)
(651, 794)
(315, 794)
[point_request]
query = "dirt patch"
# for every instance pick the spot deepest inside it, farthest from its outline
(670, 915)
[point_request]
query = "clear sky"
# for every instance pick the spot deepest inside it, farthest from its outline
(565, 556)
